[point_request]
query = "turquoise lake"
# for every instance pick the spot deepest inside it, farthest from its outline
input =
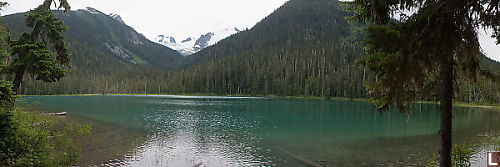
(232, 131)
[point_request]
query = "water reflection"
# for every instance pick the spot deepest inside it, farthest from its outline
(199, 136)
(222, 131)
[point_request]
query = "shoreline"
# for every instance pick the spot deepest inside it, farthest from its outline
(107, 141)
(113, 147)
(491, 106)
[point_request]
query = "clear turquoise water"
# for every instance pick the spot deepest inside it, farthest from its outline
(224, 131)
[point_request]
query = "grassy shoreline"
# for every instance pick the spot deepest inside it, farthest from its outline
(493, 106)
(465, 104)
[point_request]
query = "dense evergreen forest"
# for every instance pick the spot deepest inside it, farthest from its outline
(100, 44)
(304, 48)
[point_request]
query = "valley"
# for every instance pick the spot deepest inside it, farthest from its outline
(288, 53)
(314, 83)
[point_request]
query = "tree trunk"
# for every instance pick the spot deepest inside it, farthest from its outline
(18, 78)
(446, 70)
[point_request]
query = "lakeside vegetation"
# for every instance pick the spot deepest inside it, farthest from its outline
(310, 60)
(30, 138)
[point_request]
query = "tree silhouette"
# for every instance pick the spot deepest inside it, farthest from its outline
(43, 52)
(424, 51)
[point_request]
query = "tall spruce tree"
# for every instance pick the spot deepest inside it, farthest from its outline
(423, 51)
(43, 52)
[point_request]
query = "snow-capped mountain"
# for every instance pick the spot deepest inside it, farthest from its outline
(192, 45)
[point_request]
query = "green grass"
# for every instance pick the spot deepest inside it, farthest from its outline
(494, 106)
(479, 105)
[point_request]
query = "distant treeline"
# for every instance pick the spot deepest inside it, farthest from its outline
(318, 70)
(304, 48)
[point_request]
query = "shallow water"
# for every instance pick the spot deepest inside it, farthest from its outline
(232, 131)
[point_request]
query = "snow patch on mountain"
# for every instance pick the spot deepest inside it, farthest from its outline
(186, 47)
(192, 45)
(116, 17)
(91, 10)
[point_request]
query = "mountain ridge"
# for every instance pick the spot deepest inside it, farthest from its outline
(304, 48)
(106, 33)
(104, 51)
(192, 45)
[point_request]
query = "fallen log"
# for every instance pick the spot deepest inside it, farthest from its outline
(59, 113)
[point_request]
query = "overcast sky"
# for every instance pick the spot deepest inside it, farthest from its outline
(191, 18)
(488, 44)
(178, 18)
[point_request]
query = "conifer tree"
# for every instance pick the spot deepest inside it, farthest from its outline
(6, 93)
(43, 52)
(423, 51)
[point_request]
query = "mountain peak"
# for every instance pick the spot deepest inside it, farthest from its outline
(187, 40)
(192, 45)
(163, 39)
(91, 10)
(116, 17)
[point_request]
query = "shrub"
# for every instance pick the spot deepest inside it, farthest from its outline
(460, 157)
(30, 139)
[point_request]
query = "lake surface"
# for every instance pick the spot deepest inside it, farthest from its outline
(231, 131)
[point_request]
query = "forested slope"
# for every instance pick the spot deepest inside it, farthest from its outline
(104, 50)
(304, 48)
